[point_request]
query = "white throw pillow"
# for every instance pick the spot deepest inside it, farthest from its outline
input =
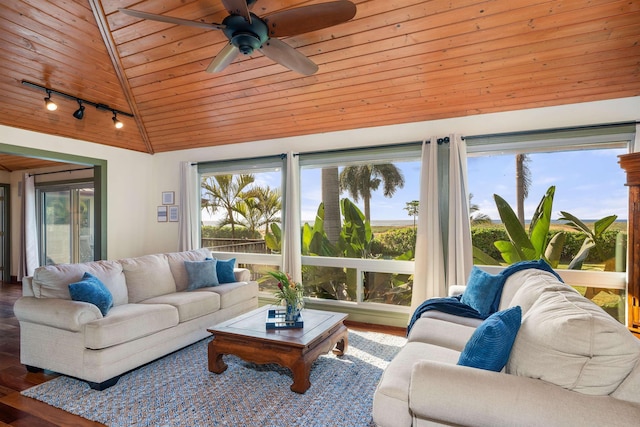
(567, 340)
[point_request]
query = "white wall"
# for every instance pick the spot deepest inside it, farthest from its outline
(136, 181)
(128, 189)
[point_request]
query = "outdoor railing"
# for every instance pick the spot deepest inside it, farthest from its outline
(251, 246)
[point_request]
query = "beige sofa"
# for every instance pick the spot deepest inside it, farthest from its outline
(571, 365)
(153, 314)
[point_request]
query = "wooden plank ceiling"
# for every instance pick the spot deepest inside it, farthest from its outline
(397, 61)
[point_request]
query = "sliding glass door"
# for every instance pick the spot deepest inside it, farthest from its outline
(66, 223)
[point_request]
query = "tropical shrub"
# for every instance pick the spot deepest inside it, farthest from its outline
(394, 242)
(209, 231)
(539, 242)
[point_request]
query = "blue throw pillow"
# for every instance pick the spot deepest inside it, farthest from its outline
(483, 291)
(202, 274)
(490, 345)
(90, 289)
(225, 270)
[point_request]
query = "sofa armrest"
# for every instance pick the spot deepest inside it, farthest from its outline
(27, 286)
(465, 396)
(55, 312)
(455, 290)
(242, 274)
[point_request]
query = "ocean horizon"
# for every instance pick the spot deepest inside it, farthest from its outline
(409, 222)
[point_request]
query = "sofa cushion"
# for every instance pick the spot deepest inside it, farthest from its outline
(52, 281)
(483, 291)
(90, 289)
(176, 264)
(490, 345)
(233, 293)
(190, 305)
(567, 340)
(525, 287)
(128, 322)
(147, 277)
(224, 269)
(202, 274)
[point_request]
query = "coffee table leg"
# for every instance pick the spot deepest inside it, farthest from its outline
(341, 346)
(301, 371)
(216, 364)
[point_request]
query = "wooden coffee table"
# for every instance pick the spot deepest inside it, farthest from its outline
(247, 337)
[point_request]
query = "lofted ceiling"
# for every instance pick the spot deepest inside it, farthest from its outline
(396, 61)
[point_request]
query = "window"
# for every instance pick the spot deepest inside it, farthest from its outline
(66, 223)
(241, 209)
(358, 212)
(580, 175)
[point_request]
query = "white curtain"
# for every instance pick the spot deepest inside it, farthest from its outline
(459, 253)
(429, 272)
(28, 229)
(635, 144)
(189, 204)
(291, 247)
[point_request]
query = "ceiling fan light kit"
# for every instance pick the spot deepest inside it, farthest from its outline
(79, 113)
(248, 32)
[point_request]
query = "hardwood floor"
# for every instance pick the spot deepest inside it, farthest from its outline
(19, 411)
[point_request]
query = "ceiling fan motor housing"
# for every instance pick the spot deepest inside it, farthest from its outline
(246, 36)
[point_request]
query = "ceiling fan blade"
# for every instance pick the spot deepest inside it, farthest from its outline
(171, 20)
(284, 54)
(223, 58)
(237, 7)
(309, 18)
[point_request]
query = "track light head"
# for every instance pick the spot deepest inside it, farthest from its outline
(82, 103)
(51, 106)
(79, 113)
(117, 123)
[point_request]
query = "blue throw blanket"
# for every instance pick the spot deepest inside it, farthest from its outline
(452, 305)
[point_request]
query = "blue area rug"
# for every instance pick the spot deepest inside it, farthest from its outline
(178, 390)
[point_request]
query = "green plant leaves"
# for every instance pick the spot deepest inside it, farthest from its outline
(521, 247)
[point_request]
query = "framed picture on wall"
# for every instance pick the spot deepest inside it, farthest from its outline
(168, 197)
(162, 214)
(173, 214)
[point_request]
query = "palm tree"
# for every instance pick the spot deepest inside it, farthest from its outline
(227, 192)
(250, 216)
(360, 181)
(475, 216)
(412, 209)
(523, 183)
(267, 202)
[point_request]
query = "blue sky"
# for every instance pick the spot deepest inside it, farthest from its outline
(589, 184)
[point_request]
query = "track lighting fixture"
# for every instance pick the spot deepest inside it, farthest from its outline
(117, 123)
(79, 113)
(51, 106)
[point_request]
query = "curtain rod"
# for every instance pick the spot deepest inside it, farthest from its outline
(533, 132)
(63, 171)
(354, 149)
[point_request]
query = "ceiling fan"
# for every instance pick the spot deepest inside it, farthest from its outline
(247, 32)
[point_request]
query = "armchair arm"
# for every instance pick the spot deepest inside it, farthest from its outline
(242, 274)
(455, 290)
(56, 312)
(465, 396)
